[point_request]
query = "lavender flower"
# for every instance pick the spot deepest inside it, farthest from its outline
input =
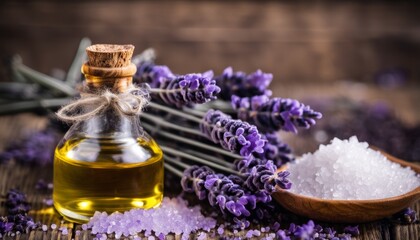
(17, 207)
(189, 88)
(178, 90)
(233, 135)
(222, 193)
(241, 84)
(310, 231)
(16, 202)
(261, 175)
(406, 216)
(5, 226)
(274, 114)
(193, 180)
(275, 150)
(153, 74)
(36, 149)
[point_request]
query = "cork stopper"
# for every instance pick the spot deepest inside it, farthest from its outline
(109, 55)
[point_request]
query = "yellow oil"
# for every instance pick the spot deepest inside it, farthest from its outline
(106, 175)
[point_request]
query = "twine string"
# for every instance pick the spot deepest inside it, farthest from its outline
(130, 102)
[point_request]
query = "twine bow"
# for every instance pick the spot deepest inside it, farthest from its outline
(130, 103)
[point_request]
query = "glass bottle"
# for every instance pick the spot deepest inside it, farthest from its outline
(107, 162)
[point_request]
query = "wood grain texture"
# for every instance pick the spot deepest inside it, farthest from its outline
(297, 41)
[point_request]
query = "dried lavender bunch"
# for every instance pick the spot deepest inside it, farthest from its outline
(243, 85)
(274, 114)
(36, 149)
(233, 135)
(178, 90)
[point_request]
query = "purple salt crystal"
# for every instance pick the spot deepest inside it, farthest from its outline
(220, 230)
(44, 228)
(64, 231)
(249, 234)
(233, 135)
(271, 115)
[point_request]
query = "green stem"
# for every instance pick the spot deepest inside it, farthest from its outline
(160, 121)
(176, 162)
(16, 107)
(174, 112)
(173, 170)
(194, 112)
(191, 142)
(210, 158)
(44, 79)
(199, 160)
(73, 75)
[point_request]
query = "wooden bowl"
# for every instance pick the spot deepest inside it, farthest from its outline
(348, 211)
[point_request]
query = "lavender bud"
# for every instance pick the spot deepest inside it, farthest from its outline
(271, 115)
(233, 135)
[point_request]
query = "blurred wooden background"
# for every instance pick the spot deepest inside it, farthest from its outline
(309, 46)
(297, 41)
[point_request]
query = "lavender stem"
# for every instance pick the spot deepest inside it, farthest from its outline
(173, 170)
(159, 121)
(43, 79)
(199, 160)
(191, 142)
(176, 162)
(73, 75)
(174, 112)
(194, 112)
(210, 158)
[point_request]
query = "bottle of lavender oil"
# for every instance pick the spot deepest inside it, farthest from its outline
(106, 161)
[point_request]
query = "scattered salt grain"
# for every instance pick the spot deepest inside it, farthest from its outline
(348, 169)
(64, 231)
(173, 216)
(202, 236)
(53, 226)
(44, 228)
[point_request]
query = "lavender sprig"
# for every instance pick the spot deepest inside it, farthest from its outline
(241, 84)
(221, 192)
(271, 115)
(233, 135)
(262, 175)
(178, 90)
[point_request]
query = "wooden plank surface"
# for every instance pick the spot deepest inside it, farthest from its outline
(25, 177)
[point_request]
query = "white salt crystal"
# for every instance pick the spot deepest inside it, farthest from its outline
(348, 169)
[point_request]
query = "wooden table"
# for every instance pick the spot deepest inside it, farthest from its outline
(24, 177)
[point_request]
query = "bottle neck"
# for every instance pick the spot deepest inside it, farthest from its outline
(116, 79)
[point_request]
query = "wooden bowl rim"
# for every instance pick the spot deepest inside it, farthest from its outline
(403, 163)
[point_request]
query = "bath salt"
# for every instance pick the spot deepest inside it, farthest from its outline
(173, 216)
(350, 170)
